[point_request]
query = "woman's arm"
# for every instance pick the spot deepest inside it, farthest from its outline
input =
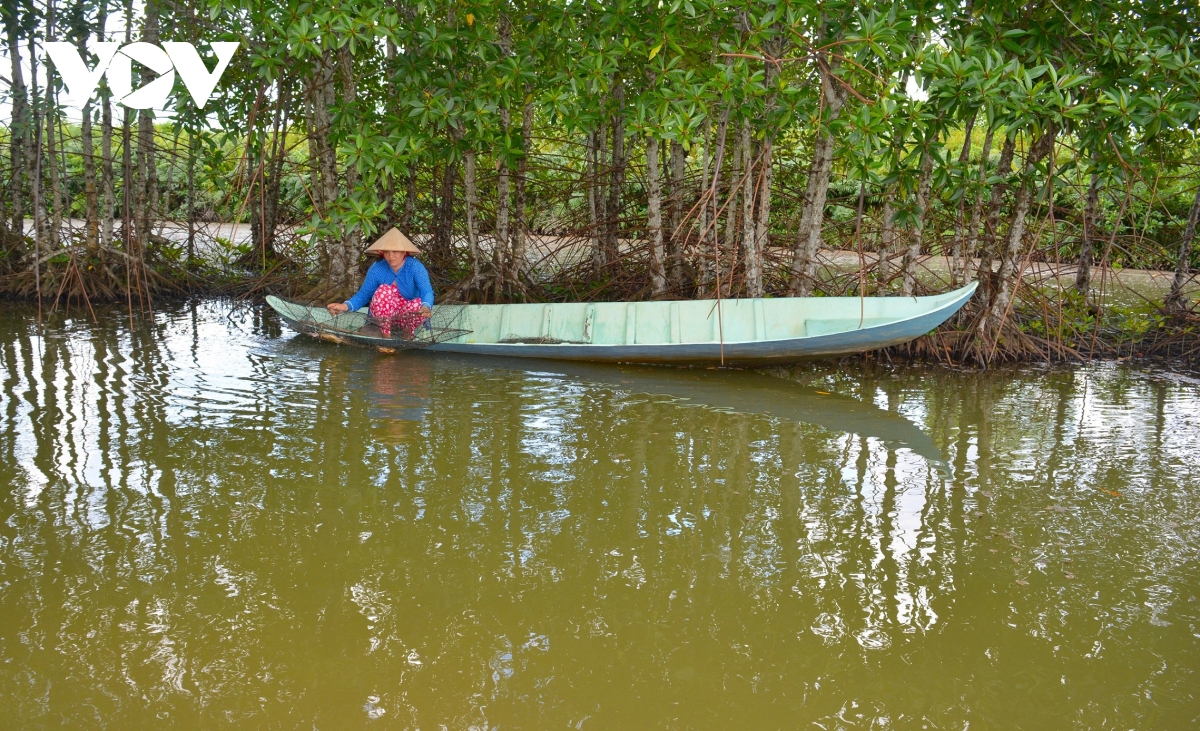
(424, 288)
(370, 283)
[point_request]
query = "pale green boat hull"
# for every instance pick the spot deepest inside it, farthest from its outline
(737, 332)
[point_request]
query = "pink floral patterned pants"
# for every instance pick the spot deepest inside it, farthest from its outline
(388, 308)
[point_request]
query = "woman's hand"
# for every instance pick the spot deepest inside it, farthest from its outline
(336, 307)
(425, 311)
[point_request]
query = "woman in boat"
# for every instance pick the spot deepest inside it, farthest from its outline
(397, 286)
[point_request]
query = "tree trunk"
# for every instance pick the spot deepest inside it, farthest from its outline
(1008, 260)
(19, 141)
(762, 228)
(915, 239)
(715, 197)
(759, 202)
(54, 203)
(264, 217)
(658, 278)
(1083, 275)
(352, 238)
(964, 157)
(589, 154)
(410, 201)
(147, 174)
(171, 187)
(278, 158)
(501, 245)
(146, 178)
(501, 253)
(971, 237)
(127, 237)
(804, 259)
(1175, 300)
(88, 151)
(444, 232)
(107, 192)
(518, 265)
(311, 148)
(472, 201)
(596, 204)
(191, 199)
(126, 151)
(616, 184)
(1009, 273)
(736, 173)
(389, 192)
(987, 278)
(887, 237)
(676, 169)
(337, 257)
(751, 257)
(702, 217)
(33, 161)
(90, 194)
(105, 204)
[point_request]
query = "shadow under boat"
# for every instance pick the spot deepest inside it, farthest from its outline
(743, 392)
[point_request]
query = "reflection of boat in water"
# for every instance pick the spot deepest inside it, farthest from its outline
(745, 331)
(747, 392)
(399, 390)
(398, 394)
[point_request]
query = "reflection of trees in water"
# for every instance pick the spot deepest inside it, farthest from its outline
(205, 515)
(698, 505)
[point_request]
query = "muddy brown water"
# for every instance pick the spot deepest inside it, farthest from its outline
(208, 522)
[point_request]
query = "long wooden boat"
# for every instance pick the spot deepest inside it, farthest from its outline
(733, 331)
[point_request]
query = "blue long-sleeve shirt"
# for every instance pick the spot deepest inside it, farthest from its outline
(412, 280)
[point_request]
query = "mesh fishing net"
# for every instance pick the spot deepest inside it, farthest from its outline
(406, 332)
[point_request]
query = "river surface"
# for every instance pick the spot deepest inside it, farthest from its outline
(209, 522)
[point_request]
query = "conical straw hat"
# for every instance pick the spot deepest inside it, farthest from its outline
(393, 240)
